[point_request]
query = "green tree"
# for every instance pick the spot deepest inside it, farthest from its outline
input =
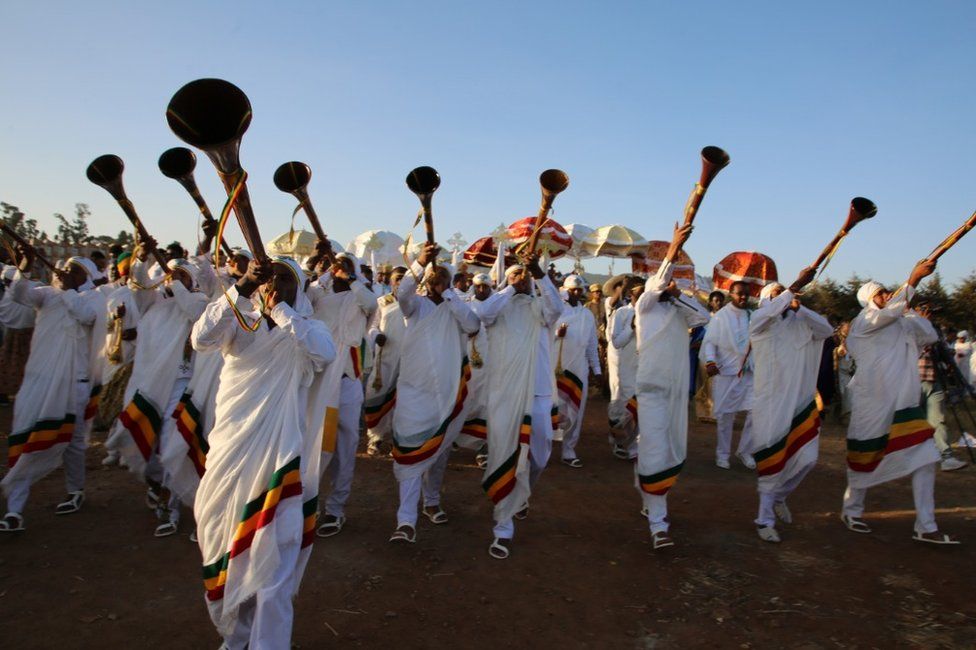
(961, 312)
(74, 232)
(14, 218)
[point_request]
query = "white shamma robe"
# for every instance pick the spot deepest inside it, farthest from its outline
(786, 349)
(381, 385)
(726, 343)
(888, 436)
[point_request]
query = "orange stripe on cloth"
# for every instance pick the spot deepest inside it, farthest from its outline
(412, 455)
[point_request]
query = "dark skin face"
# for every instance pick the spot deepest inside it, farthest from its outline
(72, 277)
(437, 284)
(282, 288)
(482, 291)
(574, 296)
(180, 275)
(237, 266)
(716, 302)
(739, 296)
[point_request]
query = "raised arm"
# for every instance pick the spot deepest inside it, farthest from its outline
(489, 309)
(462, 312)
(622, 330)
(407, 290)
(768, 312)
(27, 293)
(192, 303)
(552, 304)
(311, 335)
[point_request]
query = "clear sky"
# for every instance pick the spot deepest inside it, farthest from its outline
(816, 102)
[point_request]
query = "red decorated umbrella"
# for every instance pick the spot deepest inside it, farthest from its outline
(755, 269)
(648, 262)
(482, 253)
(553, 238)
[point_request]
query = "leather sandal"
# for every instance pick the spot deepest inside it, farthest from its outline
(936, 538)
(499, 549)
(436, 517)
(404, 533)
(12, 522)
(855, 525)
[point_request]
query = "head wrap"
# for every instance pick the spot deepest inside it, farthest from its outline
(573, 282)
(513, 268)
(184, 265)
(962, 334)
(123, 263)
(767, 291)
(481, 278)
(302, 306)
(867, 292)
(237, 250)
(88, 266)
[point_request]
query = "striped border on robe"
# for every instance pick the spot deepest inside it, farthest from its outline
(908, 428)
(632, 408)
(411, 455)
(570, 387)
(476, 428)
(500, 483)
(188, 424)
(804, 428)
(554, 417)
(661, 482)
(143, 422)
(310, 516)
(375, 412)
(43, 435)
(257, 513)
(525, 430)
(357, 361)
(91, 408)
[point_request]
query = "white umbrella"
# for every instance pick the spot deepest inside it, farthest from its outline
(378, 247)
(298, 244)
(578, 232)
(613, 241)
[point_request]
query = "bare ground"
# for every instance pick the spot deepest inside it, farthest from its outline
(582, 573)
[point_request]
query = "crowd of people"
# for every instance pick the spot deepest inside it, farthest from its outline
(240, 386)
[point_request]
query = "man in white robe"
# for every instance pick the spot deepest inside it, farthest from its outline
(49, 422)
(474, 432)
(663, 318)
(575, 353)
(249, 505)
(787, 342)
(963, 349)
(622, 366)
(386, 332)
(520, 393)
(432, 389)
(728, 362)
(889, 436)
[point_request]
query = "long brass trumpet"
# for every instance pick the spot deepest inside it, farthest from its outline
(213, 115)
(106, 172)
(714, 160)
(861, 209)
(12, 234)
(178, 163)
(292, 178)
(553, 181)
(951, 240)
(424, 181)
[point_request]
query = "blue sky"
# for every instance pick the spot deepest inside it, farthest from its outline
(815, 102)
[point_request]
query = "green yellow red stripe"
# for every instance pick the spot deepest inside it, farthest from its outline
(804, 428)
(310, 515)
(660, 482)
(909, 428)
(142, 421)
(412, 455)
(188, 424)
(91, 408)
(570, 387)
(476, 428)
(500, 483)
(43, 435)
(375, 412)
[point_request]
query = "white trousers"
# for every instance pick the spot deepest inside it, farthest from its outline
(540, 448)
(723, 446)
(265, 621)
(154, 468)
(572, 436)
(340, 470)
(73, 457)
(657, 511)
(428, 483)
(923, 492)
(767, 500)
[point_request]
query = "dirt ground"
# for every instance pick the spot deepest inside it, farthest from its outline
(582, 573)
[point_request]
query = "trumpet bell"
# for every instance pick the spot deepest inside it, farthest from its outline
(177, 162)
(714, 160)
(553, 181)
(106, 170)
(292, 176)
(863, 208)
(423, 180)
(207, 113)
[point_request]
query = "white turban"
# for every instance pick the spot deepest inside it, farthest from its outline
(302, 306)
(481, 278)
(90, 270)
(962, 334)
(190, 270)
(573, 282)
(767, 291)
(867, 292)
(513, 268)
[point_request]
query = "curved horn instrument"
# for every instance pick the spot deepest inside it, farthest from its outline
(951, 240)
(12, 234)
(106, 172)
(553, 181)
(861, 209)
(424, 181)
(178, 163)
(213, 115)
(292, 178)
(714, 160)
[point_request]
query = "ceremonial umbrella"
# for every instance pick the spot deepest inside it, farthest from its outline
(297, 244)
(553, 239)
(649, 261)
(578, 232)
(378, 247)
(755, 269)
(481, 253)
(613, 241)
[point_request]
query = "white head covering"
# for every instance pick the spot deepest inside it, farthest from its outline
(302, 306)
(90, 270)
(481, 278)
(513, 268)
(573, 281)
(767, 291)
(237, 250)
(867, 291)
(962, 334)
(184, 265)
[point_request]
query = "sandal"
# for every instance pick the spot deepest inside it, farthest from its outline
(72, 504)
(481, 460)
(523, 513)
(620, 452)
(404, 533)
(644, 512)
(936, 538)
(855, 525)
(438, 517)
(661, 540)
(573, 462)
(12, 523)
(783, 512)
(165, 530)
(331, 525)
(499, 549)
(193, 536)
(768, 534)
(152, 498)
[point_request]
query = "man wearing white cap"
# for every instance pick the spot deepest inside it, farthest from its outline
(729, 364)
(888, 436)
(520, 388)
(622, 367)
(787, 341)
(575, 353)
(474, 433)
(963, 349)
(49, 425)
(386, 331)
